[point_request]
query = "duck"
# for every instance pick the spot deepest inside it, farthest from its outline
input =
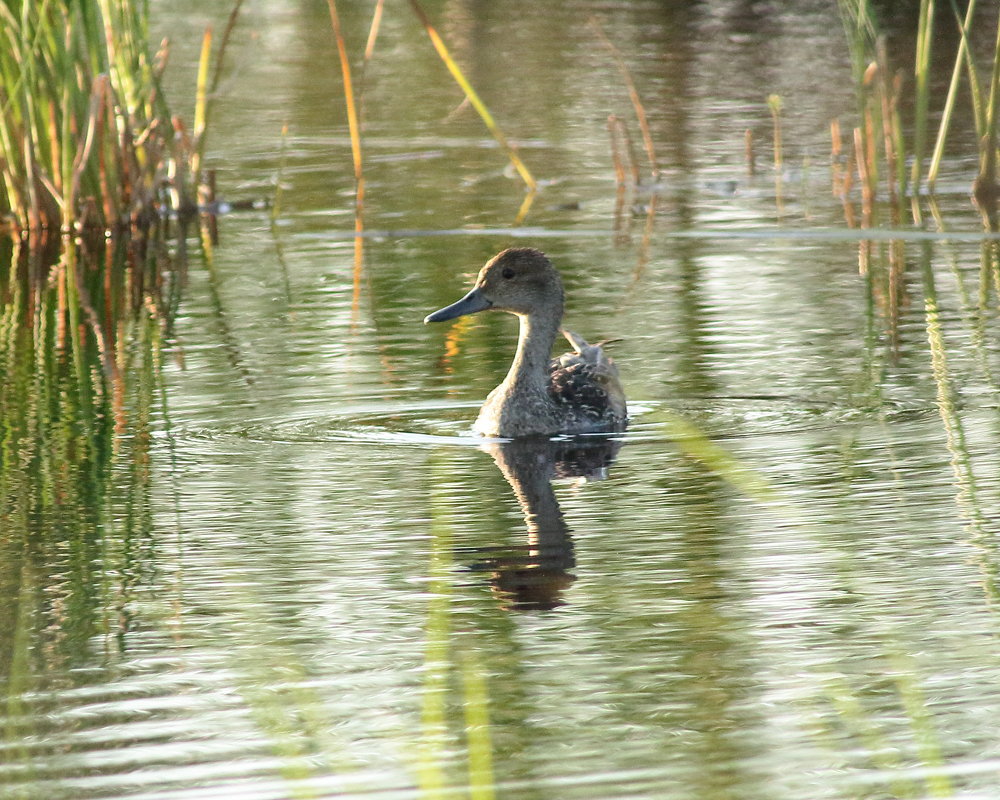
(574, 393)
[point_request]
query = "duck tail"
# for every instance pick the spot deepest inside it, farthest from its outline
(579, 343)
(582, 346)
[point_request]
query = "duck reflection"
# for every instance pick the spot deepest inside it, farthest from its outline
(535, 575)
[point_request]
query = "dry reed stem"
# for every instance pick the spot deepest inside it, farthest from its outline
(865, 245)
(640, 110)
(616, 158)
(633, 162)
(642, 257)
(848, 185)
(887, 103)
(373, 31)
(354, 128)
(621, 222)
(774, 103)
(836, 151)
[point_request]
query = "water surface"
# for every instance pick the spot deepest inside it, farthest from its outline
(325, 586)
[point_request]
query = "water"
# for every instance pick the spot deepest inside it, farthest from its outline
(306, 578)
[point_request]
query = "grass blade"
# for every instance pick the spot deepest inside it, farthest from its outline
(473, 97)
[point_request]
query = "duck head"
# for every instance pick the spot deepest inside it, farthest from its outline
(520, 280)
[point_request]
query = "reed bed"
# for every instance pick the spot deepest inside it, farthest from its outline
(87, 139)
(882, 148)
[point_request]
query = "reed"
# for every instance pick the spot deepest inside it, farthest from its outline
(206, 91)
(949, 105)
(353, 109)
(616, 151)
(775, 104)
(473, 97)
(633, 93)
(879, 98)
(921, 74)
(986, 189)
(86, 136)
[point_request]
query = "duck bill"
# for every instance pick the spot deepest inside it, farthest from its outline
(472, 303)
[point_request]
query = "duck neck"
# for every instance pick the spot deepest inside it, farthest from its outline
(529, 371)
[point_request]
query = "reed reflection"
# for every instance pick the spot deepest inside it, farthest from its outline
(80, 341)
(534, 576)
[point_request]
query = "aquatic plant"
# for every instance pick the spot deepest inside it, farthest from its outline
(86, 137)
(473, 97)
(637, 105)
(883, 148)
(775, 104)
(354, 100)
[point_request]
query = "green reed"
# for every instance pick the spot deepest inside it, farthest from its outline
(86, 137)
(885, 149)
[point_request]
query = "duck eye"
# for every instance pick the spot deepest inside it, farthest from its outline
(508, 273)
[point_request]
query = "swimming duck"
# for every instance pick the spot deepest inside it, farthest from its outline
(578, 392)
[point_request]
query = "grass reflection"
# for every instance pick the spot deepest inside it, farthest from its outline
(968, 496)
(858, 720)
(442, 660)
(79, 349)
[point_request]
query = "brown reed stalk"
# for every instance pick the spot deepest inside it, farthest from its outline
(848, 184)
(633, 93)
(373, 30)
(633, 162)
(863, 163)
(836, 152)
(354, 128)
(887, 106)
(616, 158)
(614, 132)
(774, 103)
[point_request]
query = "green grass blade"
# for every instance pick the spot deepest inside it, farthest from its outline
(921, 73)
(949, 104)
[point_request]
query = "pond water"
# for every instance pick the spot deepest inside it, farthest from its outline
(328, 587)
